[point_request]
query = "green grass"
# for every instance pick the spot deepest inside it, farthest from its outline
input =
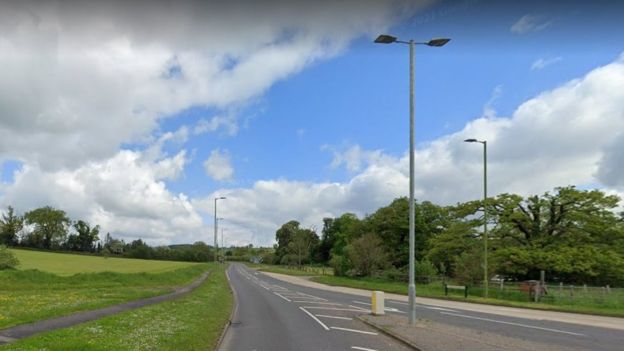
(193, 322)
(68, 264)
(611, 307)
(32, 295)
(304, 271)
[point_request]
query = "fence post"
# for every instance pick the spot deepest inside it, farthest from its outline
(608, 289)
(445, 290)
(585, 288)
(561, 288)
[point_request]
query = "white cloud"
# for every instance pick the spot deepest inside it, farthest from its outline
(488, 108)
(529, 23)
(570, 135)
(218, 165)
(123, 194)
(542, 63)
(81, 79)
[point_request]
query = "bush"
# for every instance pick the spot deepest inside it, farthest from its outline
(7, 258)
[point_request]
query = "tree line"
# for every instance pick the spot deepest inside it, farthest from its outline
(574, 235)
(48, 228)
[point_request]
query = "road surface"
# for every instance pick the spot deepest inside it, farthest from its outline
(276, 315)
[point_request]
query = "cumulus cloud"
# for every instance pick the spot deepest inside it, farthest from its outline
(542, 63)
(570, 135)
(529, 23)
(79, 80)
(124, 194)
(218, 165)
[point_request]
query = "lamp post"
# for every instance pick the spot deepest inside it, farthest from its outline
(216, 226)
(388, 39)
(485, 219)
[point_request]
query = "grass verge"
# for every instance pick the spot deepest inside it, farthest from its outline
(305, 271)
(435, 290)
(193, 322)
(28, 296)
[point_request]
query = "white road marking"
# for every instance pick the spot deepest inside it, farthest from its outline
(319, 302)
(362, 348)
(316, 297)
(331, 308)
(282, 297)
(424, 306)
(440, 309)
(389, 309)
(334, 317)
(354, 330)
(512, 323)
(313, 317)
(359, 308)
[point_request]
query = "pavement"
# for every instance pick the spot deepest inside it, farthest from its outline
(24, 330)
(268, 319)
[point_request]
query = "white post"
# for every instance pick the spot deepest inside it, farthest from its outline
(377, 303)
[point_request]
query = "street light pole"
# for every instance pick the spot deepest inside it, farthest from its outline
(388, 39)
(485, 216)
(216, 226)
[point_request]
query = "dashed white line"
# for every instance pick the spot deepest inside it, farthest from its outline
(313, 317)
(512, 323)
(359, 308)
(362, 348)
(282, 297)
(320, 303)
(354, 330)
(334, 317)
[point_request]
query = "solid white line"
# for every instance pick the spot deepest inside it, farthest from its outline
(331, 308)
(334, 317)
(354, 330)
(361, 303)
(440, 309)
(316, 319)
(512, 323)
(359, 308)
(362, 348)
(282, 297)
(320, 303)
(316, 297)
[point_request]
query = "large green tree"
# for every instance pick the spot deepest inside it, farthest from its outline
(10, 226)
(573, 235)
(50, 227)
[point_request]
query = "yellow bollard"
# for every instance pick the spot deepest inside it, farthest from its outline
(377, 303)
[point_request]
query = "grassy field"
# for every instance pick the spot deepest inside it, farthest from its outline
(68, 264)
(608, 305)
(193, 322)
(31, 295)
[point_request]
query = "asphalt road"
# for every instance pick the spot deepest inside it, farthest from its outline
(275, 315)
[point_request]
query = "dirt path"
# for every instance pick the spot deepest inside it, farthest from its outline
(25, 330)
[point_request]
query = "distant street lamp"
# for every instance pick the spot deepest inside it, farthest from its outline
(388, 39)
(216, 225)
(485, 219)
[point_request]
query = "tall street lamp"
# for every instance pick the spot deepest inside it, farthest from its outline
(485, 219)
(388, 39)
(216, 225)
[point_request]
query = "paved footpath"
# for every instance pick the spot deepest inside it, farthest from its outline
(24, 330)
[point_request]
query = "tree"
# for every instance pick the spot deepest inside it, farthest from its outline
(283, 236)
(87, 236)
(302, 243)
(50, 227)
(367, 254)
(7, 258)
(569, 234)
(10, 226)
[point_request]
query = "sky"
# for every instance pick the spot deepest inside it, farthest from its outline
(136, 115)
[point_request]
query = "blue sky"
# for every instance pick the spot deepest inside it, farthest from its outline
(360, 96)
(292, 112)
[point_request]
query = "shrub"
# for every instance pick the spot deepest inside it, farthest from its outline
(7, 258)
